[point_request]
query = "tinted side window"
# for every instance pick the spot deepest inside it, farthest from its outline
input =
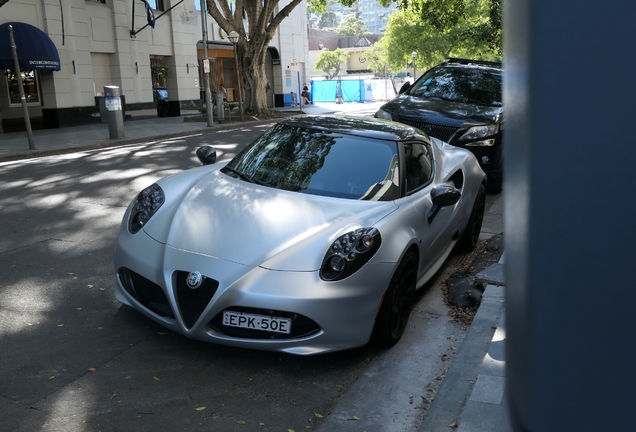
(419, 166)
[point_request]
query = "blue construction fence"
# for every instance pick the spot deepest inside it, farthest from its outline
(348, 91)
(327, 91)
(362, 90)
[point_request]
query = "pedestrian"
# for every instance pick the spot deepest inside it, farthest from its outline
(305, 95)
(224, 93)
(293, 98)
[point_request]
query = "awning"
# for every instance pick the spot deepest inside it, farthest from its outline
(36, 50)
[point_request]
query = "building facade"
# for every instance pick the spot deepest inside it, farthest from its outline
(107, 42)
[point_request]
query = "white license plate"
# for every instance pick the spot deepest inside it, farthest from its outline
(257, 322)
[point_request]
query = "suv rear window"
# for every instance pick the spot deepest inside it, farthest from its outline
(473, 86)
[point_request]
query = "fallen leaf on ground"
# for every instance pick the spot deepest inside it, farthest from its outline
(318, 415)
(241, 422)
(102, 289)
(453, 425)
(52, 377)
(60, 325)
(78, 308)
(91, 369)
(201, 408)
(156, 379)
(356, 418)
(30, 324)
(90, 286)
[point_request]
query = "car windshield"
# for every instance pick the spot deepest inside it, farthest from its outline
(473, 86)
(320, 163)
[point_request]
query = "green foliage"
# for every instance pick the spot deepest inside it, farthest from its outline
(473, 36)
(376, 58)
(327, 20)
(330, 61)
(352, 26)
(472, 25)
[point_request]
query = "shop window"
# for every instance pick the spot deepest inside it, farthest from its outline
(29, 84)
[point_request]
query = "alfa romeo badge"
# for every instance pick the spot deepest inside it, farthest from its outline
(194, 280)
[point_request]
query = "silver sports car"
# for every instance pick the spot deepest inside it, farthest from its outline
(312, 239)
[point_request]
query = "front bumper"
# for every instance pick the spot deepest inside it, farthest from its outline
(326, 316)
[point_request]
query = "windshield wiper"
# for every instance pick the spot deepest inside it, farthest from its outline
(247, 177)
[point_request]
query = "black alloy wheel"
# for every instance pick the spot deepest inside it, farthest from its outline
(397, 304)
(469, 239)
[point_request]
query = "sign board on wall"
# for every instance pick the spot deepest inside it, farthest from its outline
(294, 65)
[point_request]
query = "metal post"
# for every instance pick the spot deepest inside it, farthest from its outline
(206, 75)
(300, 94)
(238, 82)
(233, 37)
(414, 55)
(16, 63)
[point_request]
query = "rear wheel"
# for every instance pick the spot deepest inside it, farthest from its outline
(397, 303)
(469, 239)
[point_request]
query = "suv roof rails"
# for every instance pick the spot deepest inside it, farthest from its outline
(469, 61)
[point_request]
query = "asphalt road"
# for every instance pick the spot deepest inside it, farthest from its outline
(74, 359)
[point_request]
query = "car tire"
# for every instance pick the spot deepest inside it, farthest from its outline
(496, 185)
(397, 303)
(469, 239)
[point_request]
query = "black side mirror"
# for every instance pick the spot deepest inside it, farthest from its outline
(405, 87)
(445, 195)
(207, 155)
(442, 196)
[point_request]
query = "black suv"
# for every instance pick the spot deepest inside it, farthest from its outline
(457, 101)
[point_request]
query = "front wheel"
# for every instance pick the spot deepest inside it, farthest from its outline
(397, 303)
(469, 239)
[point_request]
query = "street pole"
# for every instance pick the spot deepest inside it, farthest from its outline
(18, 75)
(206, 62)
(414, 55)
(234, 37)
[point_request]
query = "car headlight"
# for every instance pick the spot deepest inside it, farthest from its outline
(381, 114)
(485, 143)
(144, 206)
(478, 132)
(349, 253)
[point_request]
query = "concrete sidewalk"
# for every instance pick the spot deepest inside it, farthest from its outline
(15, 145)
(471, 396)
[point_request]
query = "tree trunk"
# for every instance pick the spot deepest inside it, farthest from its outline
(251, 57)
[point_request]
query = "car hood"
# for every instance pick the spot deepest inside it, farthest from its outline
(230, 219)
(447, 113)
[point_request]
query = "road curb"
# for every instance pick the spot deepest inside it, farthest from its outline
(457, 385)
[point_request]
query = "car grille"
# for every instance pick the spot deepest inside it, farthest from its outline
(301, 325)
(192, 302)
(146, 292)
(445, 133)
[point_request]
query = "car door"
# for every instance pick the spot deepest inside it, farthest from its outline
(434, 228)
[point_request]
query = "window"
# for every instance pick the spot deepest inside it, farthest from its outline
(29, 84)
(156, 5)
(321, 163)
(419, 166)
(473, 86)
